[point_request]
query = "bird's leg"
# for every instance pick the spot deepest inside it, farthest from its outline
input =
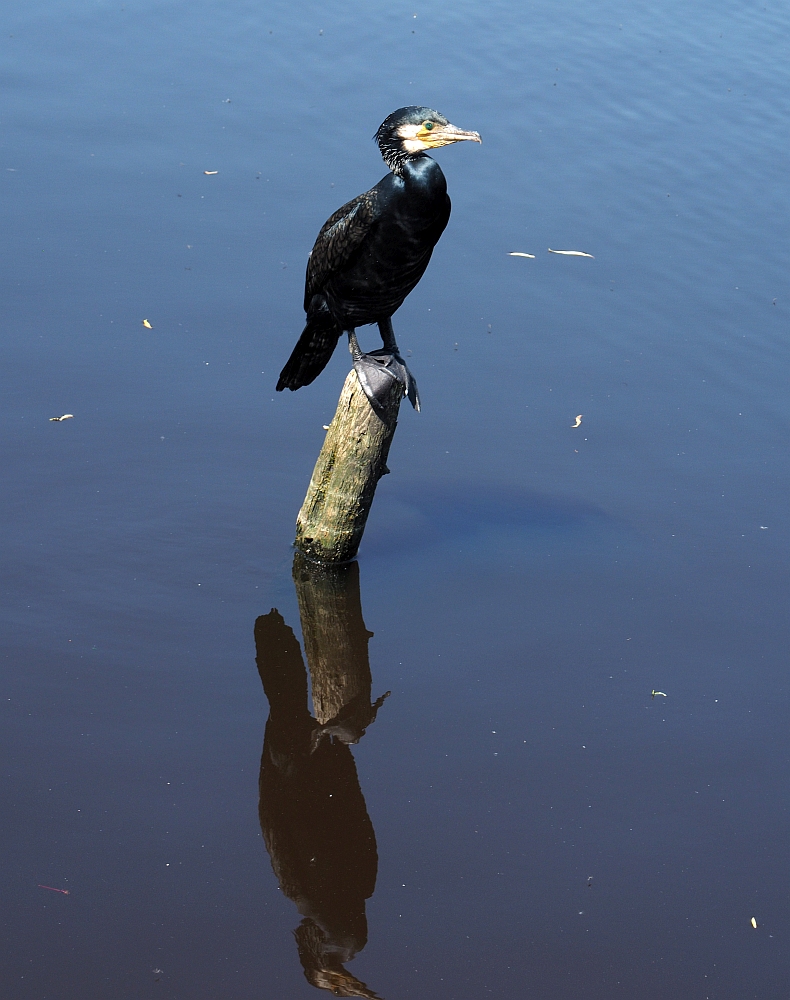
(392, 350)
(378, 370)
(388, 337)
(353, 346)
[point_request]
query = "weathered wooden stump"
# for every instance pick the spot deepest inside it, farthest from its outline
(332, 520)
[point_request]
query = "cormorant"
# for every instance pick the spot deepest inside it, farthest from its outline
(372, 252)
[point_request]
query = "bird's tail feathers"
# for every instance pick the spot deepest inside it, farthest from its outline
(312, 352)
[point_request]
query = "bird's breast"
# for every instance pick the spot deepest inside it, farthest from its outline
(411, 214)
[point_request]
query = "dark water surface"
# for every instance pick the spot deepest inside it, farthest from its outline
(544, 827)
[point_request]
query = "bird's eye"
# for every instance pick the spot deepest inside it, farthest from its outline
(427, 126)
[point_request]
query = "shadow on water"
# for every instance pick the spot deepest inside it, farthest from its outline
(418, 516)
(313, 815)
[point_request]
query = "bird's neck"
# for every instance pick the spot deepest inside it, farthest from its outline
(423, 175)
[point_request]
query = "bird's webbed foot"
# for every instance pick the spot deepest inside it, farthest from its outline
(380, 367)
(377, 371)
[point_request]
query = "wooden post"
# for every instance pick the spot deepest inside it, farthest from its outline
(332, 520)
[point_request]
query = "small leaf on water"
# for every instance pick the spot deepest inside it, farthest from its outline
(572, 253)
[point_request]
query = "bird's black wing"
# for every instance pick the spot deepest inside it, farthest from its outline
(341, 234)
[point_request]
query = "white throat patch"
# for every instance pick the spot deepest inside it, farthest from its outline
(408, 133)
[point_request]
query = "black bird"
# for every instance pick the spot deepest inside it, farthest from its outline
(372, 252)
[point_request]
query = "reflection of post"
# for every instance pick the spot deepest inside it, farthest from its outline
(335, 637)
(354, 457)
(312, 811)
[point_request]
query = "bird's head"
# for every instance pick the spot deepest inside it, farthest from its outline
(409, 132)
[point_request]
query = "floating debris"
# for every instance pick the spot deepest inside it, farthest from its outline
(654, 693)
(754, 923)
(518, 253)
(578, 421)
(147, 325)
(210, 173)
(66, 416)
(325, 426)
(572, 253)
(66, 891)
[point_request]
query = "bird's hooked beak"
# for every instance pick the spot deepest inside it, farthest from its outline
(443, 135)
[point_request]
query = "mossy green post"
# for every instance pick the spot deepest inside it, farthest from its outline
(332, 520)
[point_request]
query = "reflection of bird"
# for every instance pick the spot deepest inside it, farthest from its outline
(313, 816)
(372, 252)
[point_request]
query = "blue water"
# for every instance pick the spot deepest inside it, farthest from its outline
(528, 584)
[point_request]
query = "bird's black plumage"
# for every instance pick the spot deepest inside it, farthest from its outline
(372, 252)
